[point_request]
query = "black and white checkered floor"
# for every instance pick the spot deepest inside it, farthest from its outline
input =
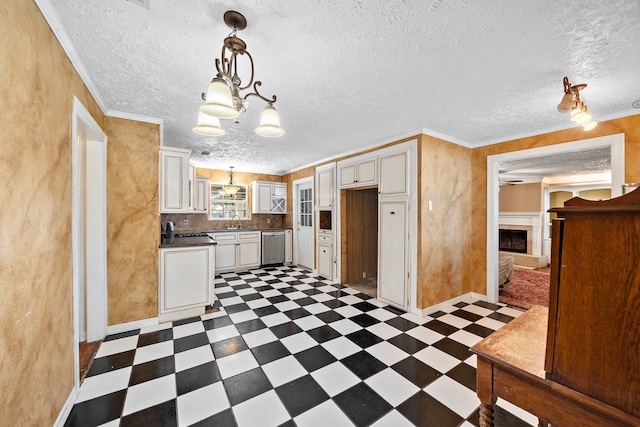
(289, 349)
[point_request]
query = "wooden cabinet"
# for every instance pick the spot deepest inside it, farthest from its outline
(268, 197)
(325, 186)
(185, 282)
(394, 176)
(358, 173)
(236, 251)
(594, 302)
(288, 247)
(174, 180)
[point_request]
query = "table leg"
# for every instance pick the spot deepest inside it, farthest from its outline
(484, 376)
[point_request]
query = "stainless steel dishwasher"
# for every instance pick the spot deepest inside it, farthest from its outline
(272, 247)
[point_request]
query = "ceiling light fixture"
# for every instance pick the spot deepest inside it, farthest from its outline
(571, 102)
(231, 188)
(223, 99)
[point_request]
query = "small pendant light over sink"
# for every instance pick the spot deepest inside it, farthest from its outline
(223, 99)
(231, 188)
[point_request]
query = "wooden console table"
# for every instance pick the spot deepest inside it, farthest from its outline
(511, 365)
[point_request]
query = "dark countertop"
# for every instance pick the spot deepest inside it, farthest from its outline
(185, 242)
(225, 230)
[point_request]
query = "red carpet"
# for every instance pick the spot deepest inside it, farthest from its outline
(526, 288)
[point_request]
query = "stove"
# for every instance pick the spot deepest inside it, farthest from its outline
(194, 234)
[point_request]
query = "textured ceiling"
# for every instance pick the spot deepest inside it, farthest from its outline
(353, 74)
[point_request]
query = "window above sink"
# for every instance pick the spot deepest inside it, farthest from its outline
(224, 206)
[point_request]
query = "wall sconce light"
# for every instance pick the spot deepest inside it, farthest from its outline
(572, 103)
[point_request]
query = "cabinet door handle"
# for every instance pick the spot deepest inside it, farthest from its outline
(393, 213)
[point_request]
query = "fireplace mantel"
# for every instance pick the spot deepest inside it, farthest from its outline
(530, 221)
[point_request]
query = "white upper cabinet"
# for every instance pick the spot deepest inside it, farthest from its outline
(394, 176)
(201, 193)
(174, 180)
(358, 173)
(325, 186)
(268, 197)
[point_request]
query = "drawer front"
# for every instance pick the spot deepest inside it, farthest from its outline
(249, 235)
(224, 237)
(324, 238)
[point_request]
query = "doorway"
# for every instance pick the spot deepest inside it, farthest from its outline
(615, 144)
(361, 240)
(303, 212)
(89, 233)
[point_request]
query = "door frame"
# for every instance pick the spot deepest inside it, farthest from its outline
(615, 142)
(84, 123)
(296, 209)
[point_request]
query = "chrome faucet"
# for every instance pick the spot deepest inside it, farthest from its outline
(238, 225)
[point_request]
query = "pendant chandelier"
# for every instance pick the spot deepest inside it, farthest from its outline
(571, 102)
(223, 99)
(231, 188)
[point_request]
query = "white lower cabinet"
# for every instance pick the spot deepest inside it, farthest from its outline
(237, 250)
(325, 260)
(186, 282)
(393, 258)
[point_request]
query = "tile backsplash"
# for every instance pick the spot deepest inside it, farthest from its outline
(201, 222)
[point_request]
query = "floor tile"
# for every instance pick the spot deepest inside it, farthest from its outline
(285, 348)
(228, 346)
(283, 370)
(201, 403)
(314, 358)
(106, 383)
(246, 385)
(392, 386)
(236, 363)
(197, 377)
(269, 352)
(387, 353)
(265, 410)
(454, 395)
(324, 415)
(161, 415)
(423, 410)
(300, 395)
(149, 393)
(259, 337)
(362, 405)
(335, 378)
(341, 347)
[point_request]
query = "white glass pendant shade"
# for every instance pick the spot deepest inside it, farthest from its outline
(208, 125)
(567, 102)
(269, 123)
(583, 118)
(219, 101)
(590, 125)
(231, 189)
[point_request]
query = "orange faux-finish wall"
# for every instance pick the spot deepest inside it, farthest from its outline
(38, 87)
(630, 126)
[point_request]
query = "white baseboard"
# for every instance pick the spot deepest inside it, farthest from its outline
(130, 326)
(463, 297)
(66, 409)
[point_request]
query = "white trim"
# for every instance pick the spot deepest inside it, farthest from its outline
(135, 117)
(131, 326)
(464, 297)
(66, 409)
(80, 115)
(615, 142)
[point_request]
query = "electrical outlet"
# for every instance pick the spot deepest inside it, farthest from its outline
(364, 274)
(268, 220)
(186, 221)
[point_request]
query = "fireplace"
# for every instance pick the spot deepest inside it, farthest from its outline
(512, 240)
